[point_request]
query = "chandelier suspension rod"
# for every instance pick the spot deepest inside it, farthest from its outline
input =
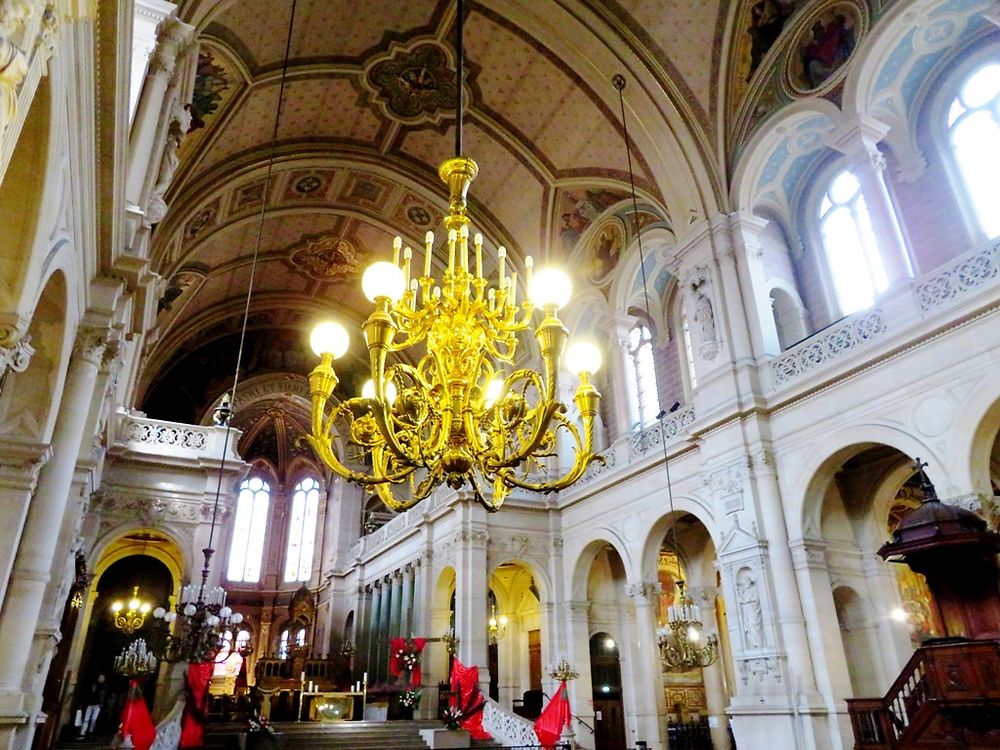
(618, 81)
(459, 74)
(208, 551)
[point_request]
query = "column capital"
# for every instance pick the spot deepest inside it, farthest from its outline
(642, 592)
(91, 341)
(16, 356)
(858, 138)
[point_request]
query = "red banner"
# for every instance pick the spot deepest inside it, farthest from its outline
(468, 699)
(196, 681)
(555, 716)
(135, 719)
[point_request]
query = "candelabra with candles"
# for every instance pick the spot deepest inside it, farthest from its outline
(680, 641)
(202, 619)
(562, 670)
(136, 660)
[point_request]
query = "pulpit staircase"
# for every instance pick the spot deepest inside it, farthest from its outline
(947, 696)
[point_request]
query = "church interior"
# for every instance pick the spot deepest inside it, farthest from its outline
(669, 395)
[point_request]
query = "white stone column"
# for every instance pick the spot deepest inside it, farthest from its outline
(746, 229)
(32, 566)
(858, 139)
(385, 620)
(407, 622)
(646, 690)
(396, 605)
(471, 587)
(618, 328)
(20, 464)
(375, 615)
(581, 694)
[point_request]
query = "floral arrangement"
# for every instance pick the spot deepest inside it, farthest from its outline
(410, 698)
(562, 671)
(257, 724)
(452, 717)
(404, 656)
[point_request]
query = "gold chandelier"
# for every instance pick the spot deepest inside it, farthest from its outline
(496, 627)
(454, 416)
(130, 615)
(682, 647)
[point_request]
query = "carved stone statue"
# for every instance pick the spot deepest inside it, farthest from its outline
(157, 207)
(751, 615)
(704, 316)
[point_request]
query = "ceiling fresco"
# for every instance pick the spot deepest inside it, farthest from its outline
(366, 116)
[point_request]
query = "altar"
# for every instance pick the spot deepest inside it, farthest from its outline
(329, 705)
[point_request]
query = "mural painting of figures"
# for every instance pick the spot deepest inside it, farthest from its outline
(577, 210)
(827, 46)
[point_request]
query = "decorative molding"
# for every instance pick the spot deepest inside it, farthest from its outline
(16, 356)
(654, 435)
(835, 342)
(759, 669)
(965, 275)
(112, 506)
(149, 432)
(644, 591)
(727, 482)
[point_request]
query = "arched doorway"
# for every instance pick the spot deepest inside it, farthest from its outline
(514, 638)
(104, 640)
(606, 683)
(686, 561)
(882, 609)
(606, 594)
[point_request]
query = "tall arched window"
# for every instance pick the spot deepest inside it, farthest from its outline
(246, 552)
(642, 376)
(288, 639)
(302, 530)
(849, 244)
(974, 132)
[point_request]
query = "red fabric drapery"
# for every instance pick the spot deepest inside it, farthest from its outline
(135, 719)
(398, 649)
(195, 704)
(468, 699)
(555, 716)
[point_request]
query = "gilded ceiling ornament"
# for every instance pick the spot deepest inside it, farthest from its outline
(326, 258)
(414, 85)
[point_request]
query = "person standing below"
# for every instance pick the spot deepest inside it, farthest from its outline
(94, 699)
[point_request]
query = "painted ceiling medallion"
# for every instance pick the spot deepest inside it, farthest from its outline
(326, 258)
(817, 59)
(414, 85)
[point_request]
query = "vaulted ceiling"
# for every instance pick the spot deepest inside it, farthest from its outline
(366, 117)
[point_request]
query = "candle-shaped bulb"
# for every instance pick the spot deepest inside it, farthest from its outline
(478, 242)
(513, 289)
(407, 255)
(463, 234)
(529, 266)
(428, 251)
(501, 263)
(397, 242)
(452, 239)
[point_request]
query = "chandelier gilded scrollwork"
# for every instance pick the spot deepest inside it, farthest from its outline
(683, 645)
(456, 416)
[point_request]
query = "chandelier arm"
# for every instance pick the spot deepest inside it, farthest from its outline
(388, 497)
(583, 457)
(544, 410)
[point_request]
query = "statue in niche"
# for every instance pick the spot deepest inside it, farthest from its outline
(179, 124)
(704, 315)
(751, 615)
